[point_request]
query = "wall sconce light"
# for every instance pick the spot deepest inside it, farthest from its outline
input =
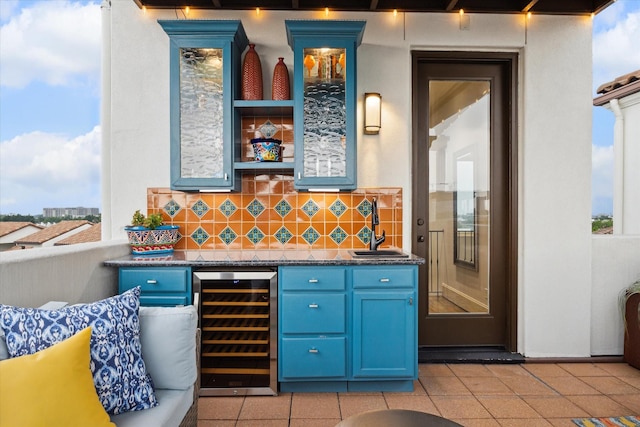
(372, 113)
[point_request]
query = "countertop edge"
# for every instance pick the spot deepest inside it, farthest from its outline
(258, 263)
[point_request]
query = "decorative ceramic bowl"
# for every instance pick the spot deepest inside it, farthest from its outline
(144, 241)
(267, 149)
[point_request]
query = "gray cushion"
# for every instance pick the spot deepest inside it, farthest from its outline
(168, 339)
(172, 407)
(4, 352)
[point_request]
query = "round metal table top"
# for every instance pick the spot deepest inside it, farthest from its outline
(396, 418)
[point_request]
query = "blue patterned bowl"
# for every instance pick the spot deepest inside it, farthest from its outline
(267, 149)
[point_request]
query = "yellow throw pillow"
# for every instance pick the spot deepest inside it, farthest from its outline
(53, 388)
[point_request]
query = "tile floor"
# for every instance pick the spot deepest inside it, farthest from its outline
(531, 394)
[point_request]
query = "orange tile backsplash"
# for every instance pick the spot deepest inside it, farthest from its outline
(270, 214)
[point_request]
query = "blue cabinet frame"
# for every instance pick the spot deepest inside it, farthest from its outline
(325, 34)
(228, 35)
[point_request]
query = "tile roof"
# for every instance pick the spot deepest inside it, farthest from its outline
(619, 88)
(51, 232)
(93, 234)
(619, 82)
(8, 227)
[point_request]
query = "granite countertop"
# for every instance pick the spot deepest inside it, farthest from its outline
(258, 258)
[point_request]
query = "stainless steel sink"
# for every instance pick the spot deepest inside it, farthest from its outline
(379, 254)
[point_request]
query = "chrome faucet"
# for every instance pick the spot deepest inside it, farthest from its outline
(375, 220)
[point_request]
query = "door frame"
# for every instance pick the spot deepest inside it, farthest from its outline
(420, 204)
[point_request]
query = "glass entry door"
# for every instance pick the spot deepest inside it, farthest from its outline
(464, 198)
(459, 209)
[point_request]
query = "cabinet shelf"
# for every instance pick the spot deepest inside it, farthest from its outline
(261, 166)
(264, 107)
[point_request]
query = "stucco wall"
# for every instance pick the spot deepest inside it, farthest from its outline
(615, 266)
(554, 135)
(630, 147)
(555, 188)
(73, 273)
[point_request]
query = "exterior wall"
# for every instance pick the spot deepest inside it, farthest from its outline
(554, 131)
(72, 273)
(626, 146)
(615, 266)
(555, 189)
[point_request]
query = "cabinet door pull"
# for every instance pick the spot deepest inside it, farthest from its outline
(385, 280)
(152, 282)
(410, 301)
(313, 305)
(313, 350)
(313, 280)
(226, 177)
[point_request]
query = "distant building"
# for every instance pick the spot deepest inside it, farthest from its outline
(12, 231)
(55, 233)
(92, 234)
(78, 212)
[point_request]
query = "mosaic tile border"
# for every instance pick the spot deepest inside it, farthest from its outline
(270, 214)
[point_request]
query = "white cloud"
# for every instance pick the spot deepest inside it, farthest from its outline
(46, 170)
(57, 42)
(615, 50)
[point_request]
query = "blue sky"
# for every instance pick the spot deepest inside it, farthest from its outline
(50, 101)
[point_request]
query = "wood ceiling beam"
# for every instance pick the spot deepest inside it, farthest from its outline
(295, 4)
(373, 5)
(451, 5)
(529, 5)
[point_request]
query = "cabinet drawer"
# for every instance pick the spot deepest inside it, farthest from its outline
(313, 357)
(387, 277)
(313, 313)
(169, 279)
(317, 278)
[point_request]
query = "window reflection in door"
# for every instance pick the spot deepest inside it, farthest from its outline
(459, 139)
(465, 243)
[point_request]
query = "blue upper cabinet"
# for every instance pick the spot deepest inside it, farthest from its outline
(324, 92)
(204, 63)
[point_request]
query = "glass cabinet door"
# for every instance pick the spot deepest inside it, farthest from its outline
(201, 121)
(325, 113)
(325, 102)
(204, 60)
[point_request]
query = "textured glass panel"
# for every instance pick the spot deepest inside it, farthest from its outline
(325, 122)
(201, 113)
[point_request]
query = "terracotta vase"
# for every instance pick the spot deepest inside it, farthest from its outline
(280, 85)
(251, 75)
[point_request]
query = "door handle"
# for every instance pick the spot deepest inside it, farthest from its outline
(421, 238)
(313, 305)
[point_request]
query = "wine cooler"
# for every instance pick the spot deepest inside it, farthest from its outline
(238, 321)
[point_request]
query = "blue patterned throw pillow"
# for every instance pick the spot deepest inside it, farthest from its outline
(119, 373)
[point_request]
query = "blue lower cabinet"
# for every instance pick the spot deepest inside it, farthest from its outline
(160, 286)
(361, 339)
(320, 357)
(383, 335)
(309, 313)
